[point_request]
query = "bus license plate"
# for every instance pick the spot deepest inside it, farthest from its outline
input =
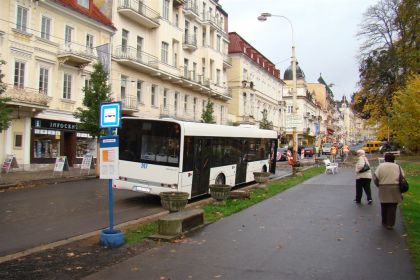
(142, 189)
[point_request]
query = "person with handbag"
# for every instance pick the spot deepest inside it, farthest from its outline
(363, 178)
(387, 180)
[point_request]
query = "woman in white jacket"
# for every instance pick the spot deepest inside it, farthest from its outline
(363, 179)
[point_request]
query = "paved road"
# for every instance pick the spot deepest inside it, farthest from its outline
(35, 216)
(312, 231)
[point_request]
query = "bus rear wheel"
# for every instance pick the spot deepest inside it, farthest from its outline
(220, 179)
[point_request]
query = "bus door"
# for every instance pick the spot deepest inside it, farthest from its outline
(273, 153)
(242, 165)
(201, 166)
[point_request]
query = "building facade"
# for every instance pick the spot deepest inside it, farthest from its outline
(49, 47)
(169, 57)
(255, 85)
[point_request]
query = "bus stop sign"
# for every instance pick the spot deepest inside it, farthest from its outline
(110, 115)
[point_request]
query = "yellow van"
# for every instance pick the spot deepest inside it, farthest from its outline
(372, 146)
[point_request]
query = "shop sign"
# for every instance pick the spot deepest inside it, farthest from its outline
(9, 162)
(61, 164)
(52, 124)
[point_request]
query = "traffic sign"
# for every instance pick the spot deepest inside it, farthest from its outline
(110, 115)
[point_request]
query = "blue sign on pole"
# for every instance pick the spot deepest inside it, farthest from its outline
(110, 115)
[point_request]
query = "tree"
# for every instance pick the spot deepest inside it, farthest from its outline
(388, 57)
(4, 111)
(98, 91)
(207, 115)
(265, 123)
(405, 120)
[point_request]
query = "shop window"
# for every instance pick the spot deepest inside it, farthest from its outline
(46, 143)
(18, 141)
(85, 144)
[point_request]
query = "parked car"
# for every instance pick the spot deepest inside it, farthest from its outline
(326, 148)
(281, 154)
(310, 151)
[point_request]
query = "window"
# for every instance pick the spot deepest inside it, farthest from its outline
(204, 38)
(43, 80)
(289, 109)
(123, 87)
(164, 52)
(88, 83)
(165, 98)
(89, 43)
(139, 47)
(176, 101)
(218, 77)
(186, 97)
(244, 103)
(176, 60)
(139, 95)
(18, 140)
(68, 36)
(165, 9)
(19, 80)
(195, 105)
(176, 20)
(222, 109)
(245, 74)
(45, 28)
(194, 73)
(153, 95)
(185, 68)
(124, 40)
(218, 42)
(67, 79)
(21, 18)
(83, 3)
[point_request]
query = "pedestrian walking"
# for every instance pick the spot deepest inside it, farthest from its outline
(386, 178)
(363, 178)
(333, 153)
(346, 151)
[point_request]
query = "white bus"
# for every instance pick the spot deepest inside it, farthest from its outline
(170, 155)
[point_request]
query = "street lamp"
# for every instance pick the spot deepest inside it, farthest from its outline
(263, 17)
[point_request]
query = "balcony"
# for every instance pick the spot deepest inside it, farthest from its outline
(191, 10)
(189, 43)
(212, 21)
(139, 13)
(26, 97)
(227, 61)
(136, 59)
(76, 55)
(129, 104)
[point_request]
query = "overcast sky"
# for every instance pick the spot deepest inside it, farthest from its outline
(324, 31)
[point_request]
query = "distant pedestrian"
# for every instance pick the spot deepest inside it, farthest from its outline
(333, 153)
(363, 178)
(346, 151)
(386, 179)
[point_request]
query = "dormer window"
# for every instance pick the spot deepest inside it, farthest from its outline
(83, 3)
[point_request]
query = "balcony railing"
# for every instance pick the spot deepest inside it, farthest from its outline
(139, 12)
(133, 54)
(74, 54)
(31, 97)
(191, 9)
(212, 20)
(129, 102)
(190, 41)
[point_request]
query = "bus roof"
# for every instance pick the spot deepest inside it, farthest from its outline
(206, 129)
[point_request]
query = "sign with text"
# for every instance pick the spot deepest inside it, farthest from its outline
(61, 164)
(87, 163)
(9, 162)
(110, 115)
(109, 149)
(293, 121)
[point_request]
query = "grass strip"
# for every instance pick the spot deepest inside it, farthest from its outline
(411, 211)
(214, 212)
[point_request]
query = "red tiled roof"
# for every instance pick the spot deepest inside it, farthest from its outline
(92, 12)
(237, 45)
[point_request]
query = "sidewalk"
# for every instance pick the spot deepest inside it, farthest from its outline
(28, 178)
(311, 231)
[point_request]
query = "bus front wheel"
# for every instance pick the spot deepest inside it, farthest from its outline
(220, 179)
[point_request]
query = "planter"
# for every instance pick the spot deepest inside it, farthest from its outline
(220, 192)
(261, 178)
(173, 201)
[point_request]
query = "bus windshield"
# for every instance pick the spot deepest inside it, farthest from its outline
(150, 141)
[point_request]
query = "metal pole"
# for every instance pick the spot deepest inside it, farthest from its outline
(110, 198)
